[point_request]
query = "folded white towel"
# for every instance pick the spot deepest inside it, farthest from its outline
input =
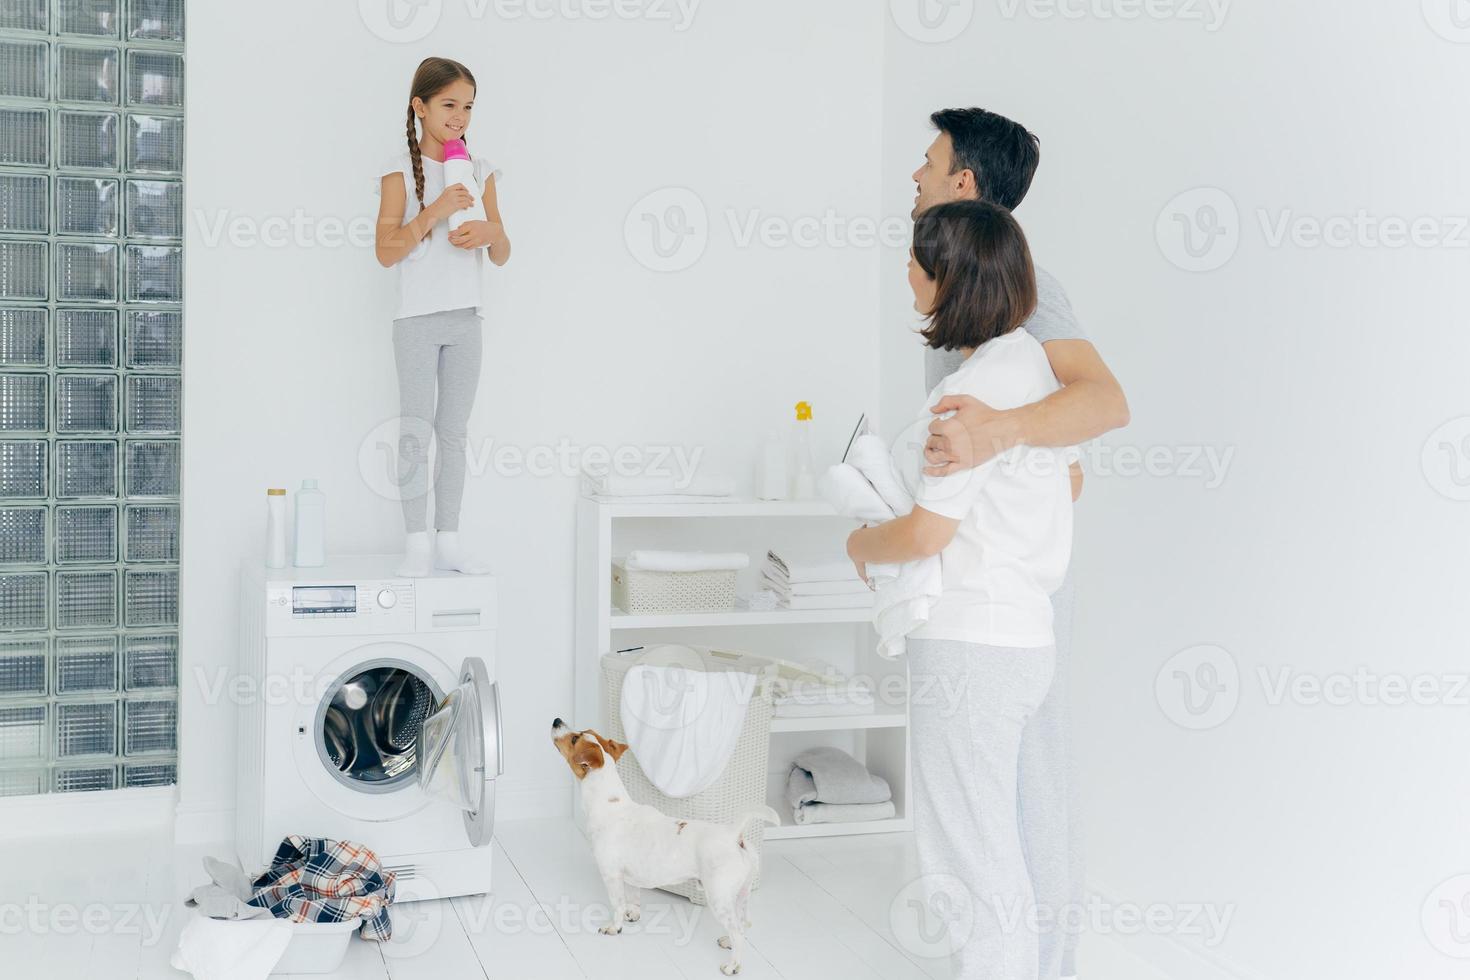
(846, 691)
(907, 591)
(219, 949)
(614, 485)
(793, 709)
(855, 601)
(761, 600)
(830, 569)
(647, 560)
(853, 586)
(682, 724)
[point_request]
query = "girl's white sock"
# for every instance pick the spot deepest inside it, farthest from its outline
(417, 556)
(451, 555)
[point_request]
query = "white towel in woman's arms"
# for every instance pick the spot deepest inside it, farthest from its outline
(905, 591)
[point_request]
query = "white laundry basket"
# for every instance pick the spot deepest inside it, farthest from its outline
(640, 592)
(743, 783)
(316, 947)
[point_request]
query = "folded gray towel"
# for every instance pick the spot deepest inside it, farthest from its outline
(843, 812)
(829, 775)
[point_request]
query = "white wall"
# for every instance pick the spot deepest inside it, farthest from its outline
(1325, 370)
(762, 108)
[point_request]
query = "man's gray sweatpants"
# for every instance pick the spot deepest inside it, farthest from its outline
(971, 706)
(443, 350)
(1050, 814)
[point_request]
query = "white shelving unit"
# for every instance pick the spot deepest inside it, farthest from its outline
(608, 528)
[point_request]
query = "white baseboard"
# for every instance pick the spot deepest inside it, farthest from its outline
(1175, 956)
(70, 814)
(195, 824)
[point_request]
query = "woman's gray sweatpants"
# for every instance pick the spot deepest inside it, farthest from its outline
(440, 349)
(970, 706)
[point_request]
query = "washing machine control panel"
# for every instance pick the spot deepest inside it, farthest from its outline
(341, 607)
(323, 600)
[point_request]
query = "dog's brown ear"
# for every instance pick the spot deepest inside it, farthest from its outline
(615, 748)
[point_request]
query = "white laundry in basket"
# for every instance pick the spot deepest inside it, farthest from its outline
(682, 724)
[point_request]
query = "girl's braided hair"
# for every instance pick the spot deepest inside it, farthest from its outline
(432, 77)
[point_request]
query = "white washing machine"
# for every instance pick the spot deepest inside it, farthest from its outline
(369, 712)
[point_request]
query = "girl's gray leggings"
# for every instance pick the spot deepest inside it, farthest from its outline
(440, 349)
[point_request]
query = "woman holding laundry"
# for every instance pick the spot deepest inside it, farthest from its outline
(1003, 535)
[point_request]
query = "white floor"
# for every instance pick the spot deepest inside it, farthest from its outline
(108, 908)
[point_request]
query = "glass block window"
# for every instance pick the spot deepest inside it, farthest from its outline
(91, 392)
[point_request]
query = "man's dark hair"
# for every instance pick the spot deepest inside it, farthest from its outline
(1000, 153)
(985, 284)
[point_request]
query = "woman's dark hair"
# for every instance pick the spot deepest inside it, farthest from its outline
(985, 283)
(1001, 154)
(433, 76)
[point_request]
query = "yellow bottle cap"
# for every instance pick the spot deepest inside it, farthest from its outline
(273, 492)
(803, 411)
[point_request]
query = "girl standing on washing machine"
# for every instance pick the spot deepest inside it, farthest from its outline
(437, 327)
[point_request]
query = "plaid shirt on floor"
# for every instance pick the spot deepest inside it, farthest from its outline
(316, 880)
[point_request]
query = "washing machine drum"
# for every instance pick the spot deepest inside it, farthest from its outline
(372, 723)
(385, 727)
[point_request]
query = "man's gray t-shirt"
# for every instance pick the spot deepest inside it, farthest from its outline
(1053, 320)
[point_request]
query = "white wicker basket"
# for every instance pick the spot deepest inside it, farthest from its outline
(743, 783)
(642, 592)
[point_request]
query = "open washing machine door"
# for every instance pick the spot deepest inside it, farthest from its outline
(461, 750)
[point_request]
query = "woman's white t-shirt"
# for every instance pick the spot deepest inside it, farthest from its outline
(1014, 540)
(436, 275)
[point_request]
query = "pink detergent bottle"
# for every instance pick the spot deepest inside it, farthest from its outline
(460, 169)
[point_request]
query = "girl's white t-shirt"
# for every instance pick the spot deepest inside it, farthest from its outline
(436, 275)
(1014, 540)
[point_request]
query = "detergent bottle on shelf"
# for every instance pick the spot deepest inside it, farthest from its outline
(460, 169)
(803, 463)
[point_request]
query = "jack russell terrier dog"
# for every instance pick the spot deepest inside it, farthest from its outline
(635, 846)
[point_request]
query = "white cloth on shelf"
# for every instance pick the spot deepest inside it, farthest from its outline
(761, 600)
(616, 485)
(682, 724)
(857, 600)
(851, 586)
(647, 560)
(828, 569)
(219, 949)
(807, 698)
(794, 709)
(844, 691)
(905, 592)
